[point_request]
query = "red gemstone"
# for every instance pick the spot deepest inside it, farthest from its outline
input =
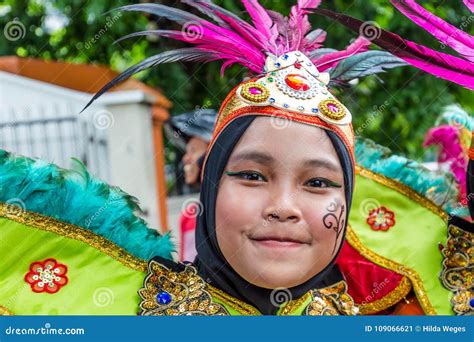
(255, 91)
(297, 82)
(297, 65)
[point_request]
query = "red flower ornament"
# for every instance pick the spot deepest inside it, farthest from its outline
(381, 219)
(46, 276)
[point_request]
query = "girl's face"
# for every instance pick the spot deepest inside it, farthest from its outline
(281, 208)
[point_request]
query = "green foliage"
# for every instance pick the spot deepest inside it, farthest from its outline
(394, 109)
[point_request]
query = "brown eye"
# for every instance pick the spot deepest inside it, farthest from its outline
(248, 175)
(317, 183)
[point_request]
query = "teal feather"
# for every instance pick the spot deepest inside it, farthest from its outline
(438, 186)
(73, 196)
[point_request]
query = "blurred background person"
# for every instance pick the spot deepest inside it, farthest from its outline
(190, 133)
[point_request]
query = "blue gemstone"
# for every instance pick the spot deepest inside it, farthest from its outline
(163, 297)
(271, 100)
(286, 105)
(471, 302)
(277, 65)
(285, 57)
(314, 110)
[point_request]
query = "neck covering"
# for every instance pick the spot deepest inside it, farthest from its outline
(210, 261)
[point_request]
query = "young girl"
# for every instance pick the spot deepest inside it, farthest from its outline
(277, 187)
(278, 176)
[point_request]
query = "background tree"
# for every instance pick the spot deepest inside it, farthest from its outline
(394, 109)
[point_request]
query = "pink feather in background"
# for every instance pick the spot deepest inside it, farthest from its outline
(447, 138)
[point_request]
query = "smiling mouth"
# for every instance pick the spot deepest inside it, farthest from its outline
(277, 242)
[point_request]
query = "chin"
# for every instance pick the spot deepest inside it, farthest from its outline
(272, 279)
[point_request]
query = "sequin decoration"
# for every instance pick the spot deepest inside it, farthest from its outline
(458, 269)
(169, 293)
(254, 92)
(381, 219)
(332, 109)
(47, 276)
(330, 301)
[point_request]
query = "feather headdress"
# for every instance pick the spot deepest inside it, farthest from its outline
(459, 70)
(227, 38)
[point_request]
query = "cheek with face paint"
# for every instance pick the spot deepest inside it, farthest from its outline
(279, 224)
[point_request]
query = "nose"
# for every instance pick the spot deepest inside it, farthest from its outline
(283, 206)
(186, 158)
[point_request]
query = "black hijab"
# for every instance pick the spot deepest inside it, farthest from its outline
(210, 262)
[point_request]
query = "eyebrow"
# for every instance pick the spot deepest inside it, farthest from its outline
(258, 157)
(321, 163)
(266, 159)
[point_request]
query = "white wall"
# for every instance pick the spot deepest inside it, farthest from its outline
(113, 136)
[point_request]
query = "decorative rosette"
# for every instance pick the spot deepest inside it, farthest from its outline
(47, 276)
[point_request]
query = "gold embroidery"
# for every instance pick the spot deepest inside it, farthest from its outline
(458, 265)
(403, 189)
(293, 305)
(420, 291)
(186, 293)
(5, 312)
(238, 305)
(330, 301)
(71, 231)
(390, 299)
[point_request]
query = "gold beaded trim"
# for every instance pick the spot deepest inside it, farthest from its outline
(418, 287)
(403, 189)
(246, 94)
(46, 223)
(338, 115)
(458, 269)
(293, 305)
(187, 293)
(5, 312)
(331, 301)
(240, 306)
(390, 299)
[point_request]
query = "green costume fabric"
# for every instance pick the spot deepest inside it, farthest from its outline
(91, 228)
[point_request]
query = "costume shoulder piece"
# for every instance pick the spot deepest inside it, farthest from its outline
(398, 220)
(167, 292)
(78, 246)
(177, 289)
(458, 265)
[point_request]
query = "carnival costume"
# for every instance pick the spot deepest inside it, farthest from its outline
(77, 240)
